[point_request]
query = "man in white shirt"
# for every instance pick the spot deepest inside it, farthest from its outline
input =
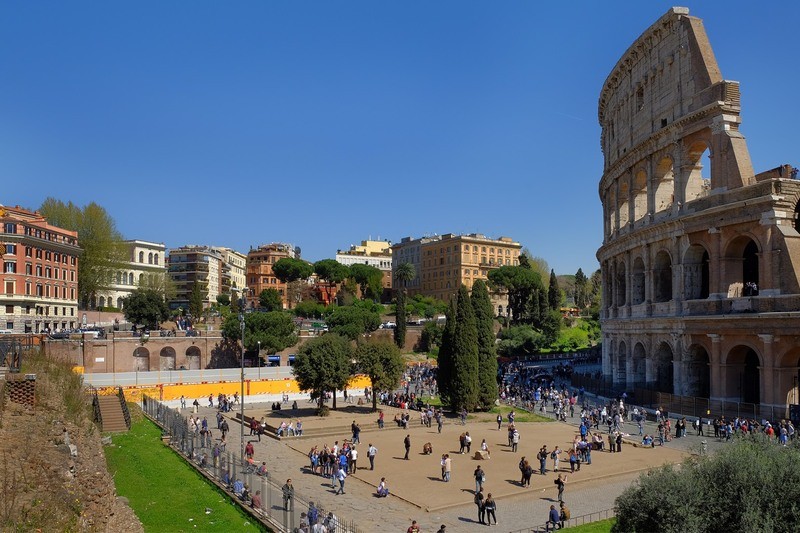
(371, 453)
(353, 459)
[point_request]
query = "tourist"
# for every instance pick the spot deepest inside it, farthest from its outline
(481, 509)
(341, 475)
(372, 451)
(490, 506)
(383, 490)
(560, 484)
(553, 518)
(407, 444)
(288, 495)
(480, 478)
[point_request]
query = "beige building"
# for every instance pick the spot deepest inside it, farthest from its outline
(701, 266)
(193, 264)
(146, 266)
(233, 273)
(373, 253)
(444, 262)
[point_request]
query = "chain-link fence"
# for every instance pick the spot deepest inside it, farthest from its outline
(234, 474)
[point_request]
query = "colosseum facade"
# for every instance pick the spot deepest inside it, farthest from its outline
(700, 255)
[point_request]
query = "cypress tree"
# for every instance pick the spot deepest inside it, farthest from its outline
(464, 392)
(553, 293)
(445, 368)
(400, 318)
(487, 355)
(543, 306)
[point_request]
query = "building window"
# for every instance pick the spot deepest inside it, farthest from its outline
(27, 288)
(28, 251)
(11, 249)
(10, 267)
(47, 272)
(10, 227)
(38, 254)
(9, 325)
(9, 290)
(72, 275)
(48, 256)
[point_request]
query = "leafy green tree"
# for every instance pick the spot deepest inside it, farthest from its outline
(275, 330)
(404, 273)
(369, 280)
(446, 367)
(430, 337)
(523, 286)
(383, 363)
(749, 485)
(551, 326)
(553, 294)
(571, 339)
(224, 299)
(102, 250)
(270, 300)
(400, 320)
(520, 340)
(290, 271)
(354, 321)
(309, 309)
(146, 307)
(196, 299)
(580, 289)
(465, 355)
(425, 306)
(487, 354)
(323, 364)
(332, 272)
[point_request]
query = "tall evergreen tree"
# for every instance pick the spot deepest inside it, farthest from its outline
(544, 307)
(446, 364)
(553, 293)
(400, 319)
(487, 355)
(580, 289)
(196, 299)
(465, 355)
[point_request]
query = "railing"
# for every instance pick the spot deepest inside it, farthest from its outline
(216, 464)
(125, 411)
(572, 522)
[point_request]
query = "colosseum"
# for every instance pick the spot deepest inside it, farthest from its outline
(700, 255)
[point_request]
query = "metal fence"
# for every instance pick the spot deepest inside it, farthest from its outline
(230, 471)
(572, 522)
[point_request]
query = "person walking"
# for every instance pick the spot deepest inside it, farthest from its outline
(407, 444)
(288, 495)
(481, 509)
(341, 475)
(499, 421)
(514, 441)
(480, 478)
(560, 484)
(353, 459)
(372, 451)
(448, 466)
(490, 506)
(556, 456)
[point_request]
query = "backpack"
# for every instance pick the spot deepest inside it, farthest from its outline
(565, 513)
(553, 454)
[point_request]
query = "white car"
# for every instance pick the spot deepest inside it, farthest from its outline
(388, 325)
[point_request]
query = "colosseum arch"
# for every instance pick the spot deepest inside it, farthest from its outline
(788, 377)
(167, 358)
(619, 284)
(662, 368)
(639, 195)
(743, 374)
(193, 357)
(639, 364)
(638, 280)
(662, 277)
(741, 266)
(697, 179)
(611, 202)
(696, 273)
(697, 377)
(622, 204)
(141, 359)
(621, 364)
(664, 185)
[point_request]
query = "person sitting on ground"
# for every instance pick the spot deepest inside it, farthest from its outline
(485, 448)
(648, 441)
(262, 469)
(383, 490)
(427, 448)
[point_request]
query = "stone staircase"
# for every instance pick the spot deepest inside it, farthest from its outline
(113, 417)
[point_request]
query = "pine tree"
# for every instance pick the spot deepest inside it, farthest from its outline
(446, 365)
(580, 289)
(487, 355)
(553, 293)
(400, 319)
(465, 355)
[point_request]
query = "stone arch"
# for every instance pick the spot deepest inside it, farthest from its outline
(141, 359)
(697, 180)
(150, 258)
(621, 363)
(743, 369)
(696, 273)
(662, 375)
(637, 282)
(619, 284)
(101, 302)
(624, 199)
(141, 257)
(130, 278)
(119, 278)
(193, 357)
(698, 372)
(167, 358)
(639, 364)
(119, 303)
(662, 277)
(741, 267)
(141, 279)
(664, 185)
(611, 204)
(639, 195)
(788, 377)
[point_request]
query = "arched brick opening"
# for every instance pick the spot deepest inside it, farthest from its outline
(141, 359)
(696, 273)
(639, 195)
(167, 358)
(624, 198)
(663, 368)
(664, 183)
(698, 372)
(193, 357)
(742, 268)
(622, 364)
(744, 374)
(639, 365)
(638, 281)
(788, 368)
(662, 277)
(698, 178)
(619, 284)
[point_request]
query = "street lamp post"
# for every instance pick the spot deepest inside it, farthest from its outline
(258, 359)
(241, 398)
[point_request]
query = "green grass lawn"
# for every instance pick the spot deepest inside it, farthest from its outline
(519, 415)
(602, 526)
(164, 491)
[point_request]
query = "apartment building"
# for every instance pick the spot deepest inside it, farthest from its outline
(234, 265)
(373, 253)
(444, 262)
(146, 266)
(40, 273)
(259, 270)
(195, 264)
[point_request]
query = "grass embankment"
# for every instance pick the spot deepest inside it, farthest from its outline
(164, 491)
(519, 415)
(602, 526)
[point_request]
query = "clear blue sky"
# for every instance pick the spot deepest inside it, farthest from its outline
(325, 123)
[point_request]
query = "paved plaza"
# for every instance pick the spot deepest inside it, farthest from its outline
(417, 491)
